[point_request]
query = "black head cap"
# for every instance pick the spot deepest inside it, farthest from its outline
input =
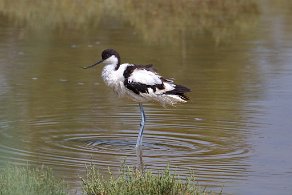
(108, 53)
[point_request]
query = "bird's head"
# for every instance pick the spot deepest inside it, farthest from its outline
(109, 56)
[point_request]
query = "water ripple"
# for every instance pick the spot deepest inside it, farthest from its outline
(214, 152)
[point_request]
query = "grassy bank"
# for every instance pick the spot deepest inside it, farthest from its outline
(166, 20)
(22, 180)
(132, 182)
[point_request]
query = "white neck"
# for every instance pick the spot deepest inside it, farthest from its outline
(113, 60)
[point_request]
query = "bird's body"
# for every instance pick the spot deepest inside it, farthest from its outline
(141, 83)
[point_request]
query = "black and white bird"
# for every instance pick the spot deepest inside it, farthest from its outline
(141, 83)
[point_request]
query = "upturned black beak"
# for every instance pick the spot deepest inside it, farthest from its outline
(90, 66)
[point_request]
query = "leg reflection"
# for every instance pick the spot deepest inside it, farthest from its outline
(140, 163)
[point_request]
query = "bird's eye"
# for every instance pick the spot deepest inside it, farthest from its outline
(105, 56)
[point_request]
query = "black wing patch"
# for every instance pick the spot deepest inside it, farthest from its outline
(138, 88)
(130, 69)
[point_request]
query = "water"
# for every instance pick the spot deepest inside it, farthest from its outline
(235, 131)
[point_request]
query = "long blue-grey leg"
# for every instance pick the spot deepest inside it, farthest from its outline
(142, 123)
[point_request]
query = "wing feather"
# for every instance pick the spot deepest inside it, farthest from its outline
(144, 76)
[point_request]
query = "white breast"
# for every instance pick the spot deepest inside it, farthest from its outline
(114, 78)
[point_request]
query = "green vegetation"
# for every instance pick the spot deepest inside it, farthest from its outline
(23, 180)
(16, 180)
(156, 21)
(134, 182)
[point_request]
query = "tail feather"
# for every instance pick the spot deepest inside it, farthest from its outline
(184, 97)
(179, 90)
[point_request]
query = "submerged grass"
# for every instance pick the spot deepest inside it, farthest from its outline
(131, 181)
(15, 180)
